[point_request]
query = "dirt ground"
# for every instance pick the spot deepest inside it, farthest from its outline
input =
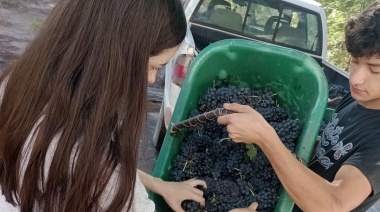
(19, 22)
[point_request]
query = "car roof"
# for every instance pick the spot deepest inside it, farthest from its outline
(308, 4)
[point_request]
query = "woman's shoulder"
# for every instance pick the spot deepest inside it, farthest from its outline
(141, 201)
(6, 206)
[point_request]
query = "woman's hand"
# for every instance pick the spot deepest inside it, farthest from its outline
(175, 193)
(246, 125)
(251, 208)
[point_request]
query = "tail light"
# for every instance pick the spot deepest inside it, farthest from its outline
(181, 66)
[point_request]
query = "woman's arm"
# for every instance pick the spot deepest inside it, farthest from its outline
(149, 181)
(174, 193)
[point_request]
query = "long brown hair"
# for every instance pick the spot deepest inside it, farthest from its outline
(85, 73)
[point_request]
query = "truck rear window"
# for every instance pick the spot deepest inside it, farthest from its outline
(265, 20)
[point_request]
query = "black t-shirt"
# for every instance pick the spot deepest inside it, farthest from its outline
(351, 137)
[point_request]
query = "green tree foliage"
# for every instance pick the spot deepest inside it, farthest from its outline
(338, 12)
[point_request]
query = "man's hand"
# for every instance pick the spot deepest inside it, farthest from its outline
(246, 125)
(251, 208)
(175, 193)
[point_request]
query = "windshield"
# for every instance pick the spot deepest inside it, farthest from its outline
(265, 20)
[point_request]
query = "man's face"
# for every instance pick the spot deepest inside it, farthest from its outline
(365, 81)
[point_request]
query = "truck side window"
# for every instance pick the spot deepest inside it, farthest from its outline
(312, 33)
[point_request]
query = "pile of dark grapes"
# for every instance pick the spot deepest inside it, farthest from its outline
(233, 179)
(336, 91)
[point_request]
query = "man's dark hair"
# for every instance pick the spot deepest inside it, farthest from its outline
(362, 33)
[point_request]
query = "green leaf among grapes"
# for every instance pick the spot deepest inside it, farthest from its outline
(252, 151)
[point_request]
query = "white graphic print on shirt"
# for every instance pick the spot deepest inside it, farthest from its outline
(330, 136)
(323, 160)
(331, 133)
(341, 150)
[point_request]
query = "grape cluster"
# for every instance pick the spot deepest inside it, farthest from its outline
(233, 179)
(336, 91)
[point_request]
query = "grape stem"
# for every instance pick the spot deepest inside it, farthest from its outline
(254, 97)
(240, 174)
(187, 164)
(220, 141)
(213, 199)
(250, 190)
(257, 97)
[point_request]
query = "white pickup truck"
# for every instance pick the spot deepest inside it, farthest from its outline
(296, 24)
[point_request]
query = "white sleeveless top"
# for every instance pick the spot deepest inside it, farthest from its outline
(141, 202)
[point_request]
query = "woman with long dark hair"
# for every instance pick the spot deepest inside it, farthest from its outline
(72, 108)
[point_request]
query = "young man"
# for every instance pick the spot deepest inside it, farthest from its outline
(344, 175)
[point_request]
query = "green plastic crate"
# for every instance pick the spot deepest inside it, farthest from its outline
(297, 79)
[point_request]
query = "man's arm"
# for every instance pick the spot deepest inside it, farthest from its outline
(310, 191)
(307, 189)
